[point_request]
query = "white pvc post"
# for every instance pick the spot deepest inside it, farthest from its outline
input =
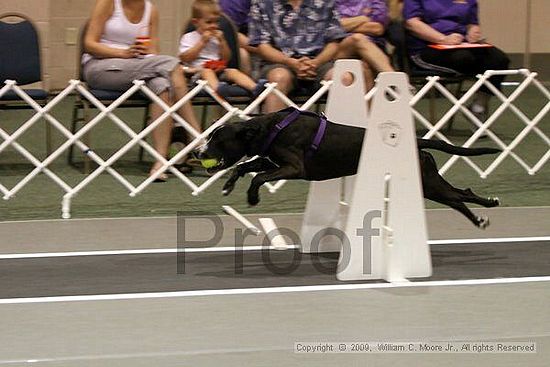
(387, 185)
(273, 234)
(239, 217)
(345, 105)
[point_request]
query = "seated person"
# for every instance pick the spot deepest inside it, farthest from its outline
(238, 11)
(452, 23)
(366, 20)
(204, 48)
(113, 60)
(297, 40)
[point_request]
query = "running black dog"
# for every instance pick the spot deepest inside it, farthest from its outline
(309, 149)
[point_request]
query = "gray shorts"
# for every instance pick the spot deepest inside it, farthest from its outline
(118, 74)
(321, 72)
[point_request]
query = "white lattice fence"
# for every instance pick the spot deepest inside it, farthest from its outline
(106, 165)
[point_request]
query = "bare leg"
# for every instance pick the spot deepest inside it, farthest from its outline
(240, 78)
(374, 60)
(347, 78)
(246, 63)
(284, 78)
(162, 133)
(210, 76)
(179, 85)
(359, 44)
(369, 76)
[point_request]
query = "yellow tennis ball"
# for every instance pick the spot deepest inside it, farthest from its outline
(209, 163)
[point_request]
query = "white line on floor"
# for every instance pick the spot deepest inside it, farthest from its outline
(33, 255)
(244, 291)
(468, 241)
(133, 252)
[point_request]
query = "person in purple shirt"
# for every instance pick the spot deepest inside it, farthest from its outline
(369, 17)
(452, 22)
(366, 21)
(297, 39)
(238, 11)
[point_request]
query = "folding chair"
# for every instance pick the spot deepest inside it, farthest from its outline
(20, 61)
(82, 106)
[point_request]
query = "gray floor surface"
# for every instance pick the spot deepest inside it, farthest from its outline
(260, 329)
(90, 275)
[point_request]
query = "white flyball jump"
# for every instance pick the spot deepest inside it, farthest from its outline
(273, 234)
(346, 105)
(385, 226)
(271, 231)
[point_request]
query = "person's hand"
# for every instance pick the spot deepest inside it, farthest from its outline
(452, 39)
(135, 50)
(207, 35)
(140, 49)
(309, 68)
(127, 53)
(474, 34)
(294, 64)
(219, 35)
(302, 67)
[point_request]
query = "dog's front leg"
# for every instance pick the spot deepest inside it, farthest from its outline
(281, 173)
(258, 164)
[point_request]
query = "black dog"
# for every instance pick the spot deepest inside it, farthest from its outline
(287, 153)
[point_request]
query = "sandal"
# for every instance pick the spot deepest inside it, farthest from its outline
(163, 177)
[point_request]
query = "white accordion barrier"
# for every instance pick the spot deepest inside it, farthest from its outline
(435, 129)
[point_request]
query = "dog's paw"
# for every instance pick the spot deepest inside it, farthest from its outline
(227, 188)
(253, 199)
(495, 201)
(483, 222)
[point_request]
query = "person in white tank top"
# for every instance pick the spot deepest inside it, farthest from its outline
(115, 57)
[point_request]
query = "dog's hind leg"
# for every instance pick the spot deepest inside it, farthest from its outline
(438, 189)
(258, 164)
(481, 222)
(281, 173)
(469, 196)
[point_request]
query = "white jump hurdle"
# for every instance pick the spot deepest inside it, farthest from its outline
(385, 229)
(273, 234)
(271, 230)
(346, 105)
(238, 216)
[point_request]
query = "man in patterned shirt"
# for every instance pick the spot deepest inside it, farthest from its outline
(297, 40)
(366, 20)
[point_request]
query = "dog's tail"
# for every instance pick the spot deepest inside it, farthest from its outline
(453, 149)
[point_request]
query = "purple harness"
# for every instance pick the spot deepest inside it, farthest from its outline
(290, 118)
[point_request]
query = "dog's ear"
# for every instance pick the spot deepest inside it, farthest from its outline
(249, 132)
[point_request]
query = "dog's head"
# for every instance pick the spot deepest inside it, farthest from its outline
(228, 144)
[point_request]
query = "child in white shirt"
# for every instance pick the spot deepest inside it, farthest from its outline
(204, 48)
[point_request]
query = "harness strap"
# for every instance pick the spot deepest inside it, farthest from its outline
(318, 137)
(277, 129)
(291, 117)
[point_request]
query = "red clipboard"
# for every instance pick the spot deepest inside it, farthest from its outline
(462, 45)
